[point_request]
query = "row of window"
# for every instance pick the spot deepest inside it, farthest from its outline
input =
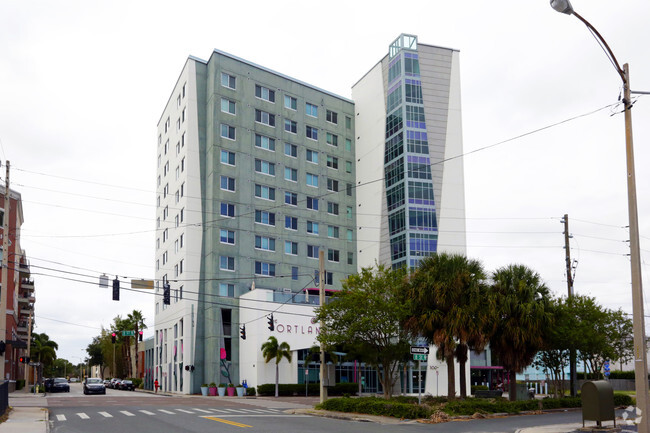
(230, 132)
(230, 158)
(230, 81)
(268, 193)
(227, 236)
(268, 218)
(227, 263)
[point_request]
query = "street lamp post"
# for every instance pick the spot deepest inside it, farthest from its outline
(640, 352)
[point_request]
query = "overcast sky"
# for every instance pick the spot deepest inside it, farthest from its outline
(83, 84)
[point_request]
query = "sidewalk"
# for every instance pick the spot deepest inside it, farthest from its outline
(26, 414)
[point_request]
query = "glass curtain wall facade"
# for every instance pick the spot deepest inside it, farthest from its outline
(410, 200)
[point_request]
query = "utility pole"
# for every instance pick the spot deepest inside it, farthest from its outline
(5, 268)
(321, 299)
(573, 382)
(29, 348)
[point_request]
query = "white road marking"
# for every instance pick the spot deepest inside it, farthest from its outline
(60, 417)
(184, 411)
(82, 415)
(127, 413)
(146, 412)
(201, 410)
(166, 411)
(106, 414)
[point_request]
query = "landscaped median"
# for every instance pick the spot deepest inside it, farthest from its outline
(440, 409)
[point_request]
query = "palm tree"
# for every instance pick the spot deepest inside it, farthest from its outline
(137, 322)
(272, 350)
(521, 302)
(446, 295)
(43, 349)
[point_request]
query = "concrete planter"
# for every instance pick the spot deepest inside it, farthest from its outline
(213, 390)
(231, 391)
(240, 391)
(222, 391)
(204, 390)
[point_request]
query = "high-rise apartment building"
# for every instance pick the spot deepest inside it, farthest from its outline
(256, 175)
(419, 207)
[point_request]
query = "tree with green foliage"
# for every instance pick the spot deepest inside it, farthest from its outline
(271, 349)
(447, 299)
(43, 350)
(96, 354)
(136, 320)
(520, 301)
(367, 315)
(62, 368)
(553, 357)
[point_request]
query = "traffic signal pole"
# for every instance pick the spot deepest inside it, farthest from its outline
(5, 264)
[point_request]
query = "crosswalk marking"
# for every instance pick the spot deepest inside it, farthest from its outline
(82, 415)
(166, 411)
(201, 410)
(127, 413)
(106, 414)
(184, 411)
(60, 417)
(146, 412)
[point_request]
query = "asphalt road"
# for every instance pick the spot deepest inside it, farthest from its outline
(125, 411)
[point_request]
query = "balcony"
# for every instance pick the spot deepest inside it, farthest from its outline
(26, 284)
(26, 298)
(21, 329)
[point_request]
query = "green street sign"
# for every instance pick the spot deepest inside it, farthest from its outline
(128, 333)
(419, 357)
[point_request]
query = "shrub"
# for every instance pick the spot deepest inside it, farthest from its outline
(475, 388)
(137, 382)
(617, 374)
(250, 390)
(289, 389)
(376, 406)
(20, 384)
(622, 400)
(214, 385)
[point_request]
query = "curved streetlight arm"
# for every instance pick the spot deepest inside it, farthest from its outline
(609, 50)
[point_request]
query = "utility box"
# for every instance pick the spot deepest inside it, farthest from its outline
(330, 375)
(597, 402)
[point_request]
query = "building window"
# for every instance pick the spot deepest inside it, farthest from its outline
(291, 150)
(311, 132)
(332, 232)
(182, 165)
(332, 162)
(332, 139)
(227, 290)
(291, 174)
(227, 210)
(264, 167)
(264, 243)
(180, 266)
(264, 192)
(311, 109)
(349, 234)
(264, 268)
(312, 180)
(311, 156)
(332, 185)
(332, 117)
(227, 131)
(264, 142)
(312, 203)
(264, 217)
(176, 270)
(290, 102)
(227, 157)
(226, 263)
(348, 189)
(350, 258)
(348, 145)
(294, 272)
(329, 278)
(332, 255)
(227, 183)
(290, 126)
(227, 236)
(264, 93)
(348, 122)
(291, 198)
(348, 166)
(312, 227)
(291, 248)
(290, 223)
(332, 208)
(348, 212)
(265, 118)
(312, 251)
(228, 81)
(228, 106)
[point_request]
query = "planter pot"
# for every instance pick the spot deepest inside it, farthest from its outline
(213, 390)
(204, 390)
(240, 391)
(231, 391)
(222, 391)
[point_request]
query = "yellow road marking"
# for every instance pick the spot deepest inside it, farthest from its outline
(225, 421)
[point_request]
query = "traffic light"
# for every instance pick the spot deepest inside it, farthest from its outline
(242, 331)
(271, 325)
(167, 298)
(140, 336)
(116, 289)
(24, 359)
(113, 338)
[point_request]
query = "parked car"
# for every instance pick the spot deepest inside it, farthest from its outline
(47, 383)
(114, 382)
(74, 380)
(60, 384)
(106, 383)
(94, 385)
(127, 385)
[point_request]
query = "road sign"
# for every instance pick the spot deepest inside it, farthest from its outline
(128, 333)
(419, 357)
(420, 349)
